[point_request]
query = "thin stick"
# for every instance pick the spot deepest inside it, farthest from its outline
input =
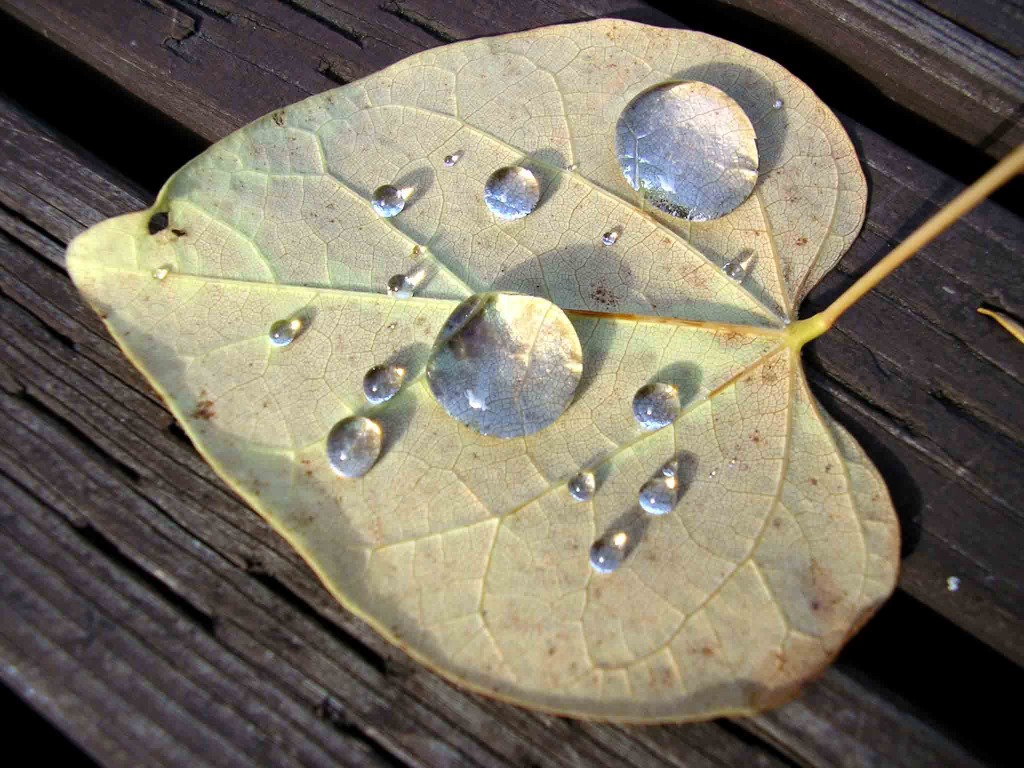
(960, 205)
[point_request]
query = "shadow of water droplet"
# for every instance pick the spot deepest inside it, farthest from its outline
(684, 376)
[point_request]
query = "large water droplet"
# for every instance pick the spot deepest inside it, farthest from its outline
(452, 159)
(404, 286)
(656, 405)
(505, 364)
(161, 272)
(611, 237)
(284, 332)
(382, 382)
(353, 445)
(389, 200)
(512, 192)
(658, 495)
(608, 552)
(689, 148)
(737, 269)
(583, 485)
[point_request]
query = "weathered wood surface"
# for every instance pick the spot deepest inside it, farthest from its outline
(133, 573)
(229, 64)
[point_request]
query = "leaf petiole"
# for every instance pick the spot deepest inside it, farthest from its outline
(802, 331)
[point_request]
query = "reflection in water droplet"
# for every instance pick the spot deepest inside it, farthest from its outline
(284, 332)
(353, 445)
(656, 405)
(659, 494)
(452, 159)
(505, 364)
(738, 268)
(608, 552)
(511, 193)
(382, 382)
(161, 272)
(404, 286)
(689, 148)
(611, 236)
(582, 486)
(389, 200)
(777, 104)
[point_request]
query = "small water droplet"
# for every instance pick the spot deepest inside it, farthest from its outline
(161, 272)
(512, 192)
(353, 446)
(404, 286)
(658, 495)
(582, 486)
(656, 405)
(572, 167)
(608, 552)
(452, 159)
(417, 251)
(505, 364)
(389, 200)
(952, 583)
(712, 473)
(732, 462)
(611, 237)
(689, 148)
(670, 468)
(778, 104)
(284, 332)
(382, 382)
(737, 269)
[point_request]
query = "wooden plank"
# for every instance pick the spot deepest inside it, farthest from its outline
(92, 450)
(276, 50)
(998, 21)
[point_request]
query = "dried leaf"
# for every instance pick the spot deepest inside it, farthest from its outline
(469, 551)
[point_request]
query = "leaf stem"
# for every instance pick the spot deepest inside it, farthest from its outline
(802, 331)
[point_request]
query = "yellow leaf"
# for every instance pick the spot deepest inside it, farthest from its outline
(468, 551)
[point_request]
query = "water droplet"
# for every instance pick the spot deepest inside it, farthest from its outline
(689, 148)
(284, 332)
(732, 462)
(712, 473)
(778, 104)
(505, 364)
(452, 159)
(670, 468)
(611, 236)
(404, 286)
(608, 552)
(417, 251)
(656, 405)
(582, 486)
(572, 167)
(658, 495)
(511, 193)
(737, 269)
(161, 272)
(952, 583)
(389, 200)
(353, 445)
(382, 382)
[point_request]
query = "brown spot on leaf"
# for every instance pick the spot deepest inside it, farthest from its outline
(604, 296)
(278, 117)
(813, 481)
(707, 650)
(801, 240)
(204, 410)
(777, 522)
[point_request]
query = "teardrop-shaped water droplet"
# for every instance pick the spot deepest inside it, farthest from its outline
(583, 485)
(284, 332)
(611, 237)
(689, 148)
(505, 364)
(389, 200)
(511, 193)
(778, 104)
(658, 495)
(452, 159)
(738, 268)
(382, 382)
(608, 552)
(161, 272)
(656, 405)
(404, 286)
(353, 446)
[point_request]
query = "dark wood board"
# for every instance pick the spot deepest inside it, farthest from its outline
(146, 514)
